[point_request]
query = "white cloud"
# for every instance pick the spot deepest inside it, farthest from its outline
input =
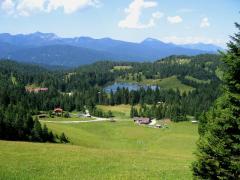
(174, 19)
(134, 12)
(193, 40)
(8, 6)
(204, 23)
(28, 7)
(70, 6)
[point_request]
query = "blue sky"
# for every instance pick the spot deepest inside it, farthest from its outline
(177, 21)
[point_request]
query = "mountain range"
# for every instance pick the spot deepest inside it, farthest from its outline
(49, 49)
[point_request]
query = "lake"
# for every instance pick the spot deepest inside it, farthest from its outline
(129, 86)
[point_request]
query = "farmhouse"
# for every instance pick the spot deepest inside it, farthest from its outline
(142, 120)
(36, 90)
(58, 110)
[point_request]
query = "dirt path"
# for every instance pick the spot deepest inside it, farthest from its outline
(96, 119)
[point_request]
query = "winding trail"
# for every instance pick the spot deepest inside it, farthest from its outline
(75, 122)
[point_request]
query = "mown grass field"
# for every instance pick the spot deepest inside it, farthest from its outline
(119, 111)
(104, 150)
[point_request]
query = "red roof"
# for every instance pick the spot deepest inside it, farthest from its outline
(58, 110)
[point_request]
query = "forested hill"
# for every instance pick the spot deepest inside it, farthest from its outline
(185, 86)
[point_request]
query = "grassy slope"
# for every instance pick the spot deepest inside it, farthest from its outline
(173, 83)
(122, 68)
(120, 150)
(198, 80)
(119, 111)
(167, 83)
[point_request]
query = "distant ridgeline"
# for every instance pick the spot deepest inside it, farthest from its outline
(49, 49)
(185, 85)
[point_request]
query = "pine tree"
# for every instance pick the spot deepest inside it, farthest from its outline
(132, 112)
(37, 131)
(218, 155)
(51, 137)
(45, 133)
(109, 114)
(63, 138)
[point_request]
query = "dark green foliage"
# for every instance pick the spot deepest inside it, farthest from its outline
(63, 138)
(66, 115)
(99, 113)
(133, 112)
(37, 134)
(218, 155)
(110, 114)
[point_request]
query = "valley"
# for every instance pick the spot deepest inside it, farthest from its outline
(119, 90)
(92, 109)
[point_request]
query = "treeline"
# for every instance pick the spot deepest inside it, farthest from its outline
(160, 111)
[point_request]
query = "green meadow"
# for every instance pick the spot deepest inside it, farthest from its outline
(198, 80)
(171, 82)
(104, 150)
(174, 83)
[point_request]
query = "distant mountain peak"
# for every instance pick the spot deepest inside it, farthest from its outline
(203, 47)
(44, 35)
(43, 48)
(151, 40)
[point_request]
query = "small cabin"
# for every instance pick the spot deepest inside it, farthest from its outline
(142, 120)
(58, 110)
(36, 90)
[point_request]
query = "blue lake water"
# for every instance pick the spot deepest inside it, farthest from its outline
(129, 86)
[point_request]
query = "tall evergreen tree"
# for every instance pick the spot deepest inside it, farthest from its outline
(37, 131)
(218, 155)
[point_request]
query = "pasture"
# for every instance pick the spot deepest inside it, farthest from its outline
(171, 82)
(104, 150)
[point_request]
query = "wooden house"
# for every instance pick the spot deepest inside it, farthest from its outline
(58, 111)
(142, 120)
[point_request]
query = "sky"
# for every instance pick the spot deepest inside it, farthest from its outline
(176, 21)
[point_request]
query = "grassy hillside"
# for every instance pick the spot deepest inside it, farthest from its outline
(173, 83)
(119, 111)
(198, 80)
(122, 68)
(104, 150)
